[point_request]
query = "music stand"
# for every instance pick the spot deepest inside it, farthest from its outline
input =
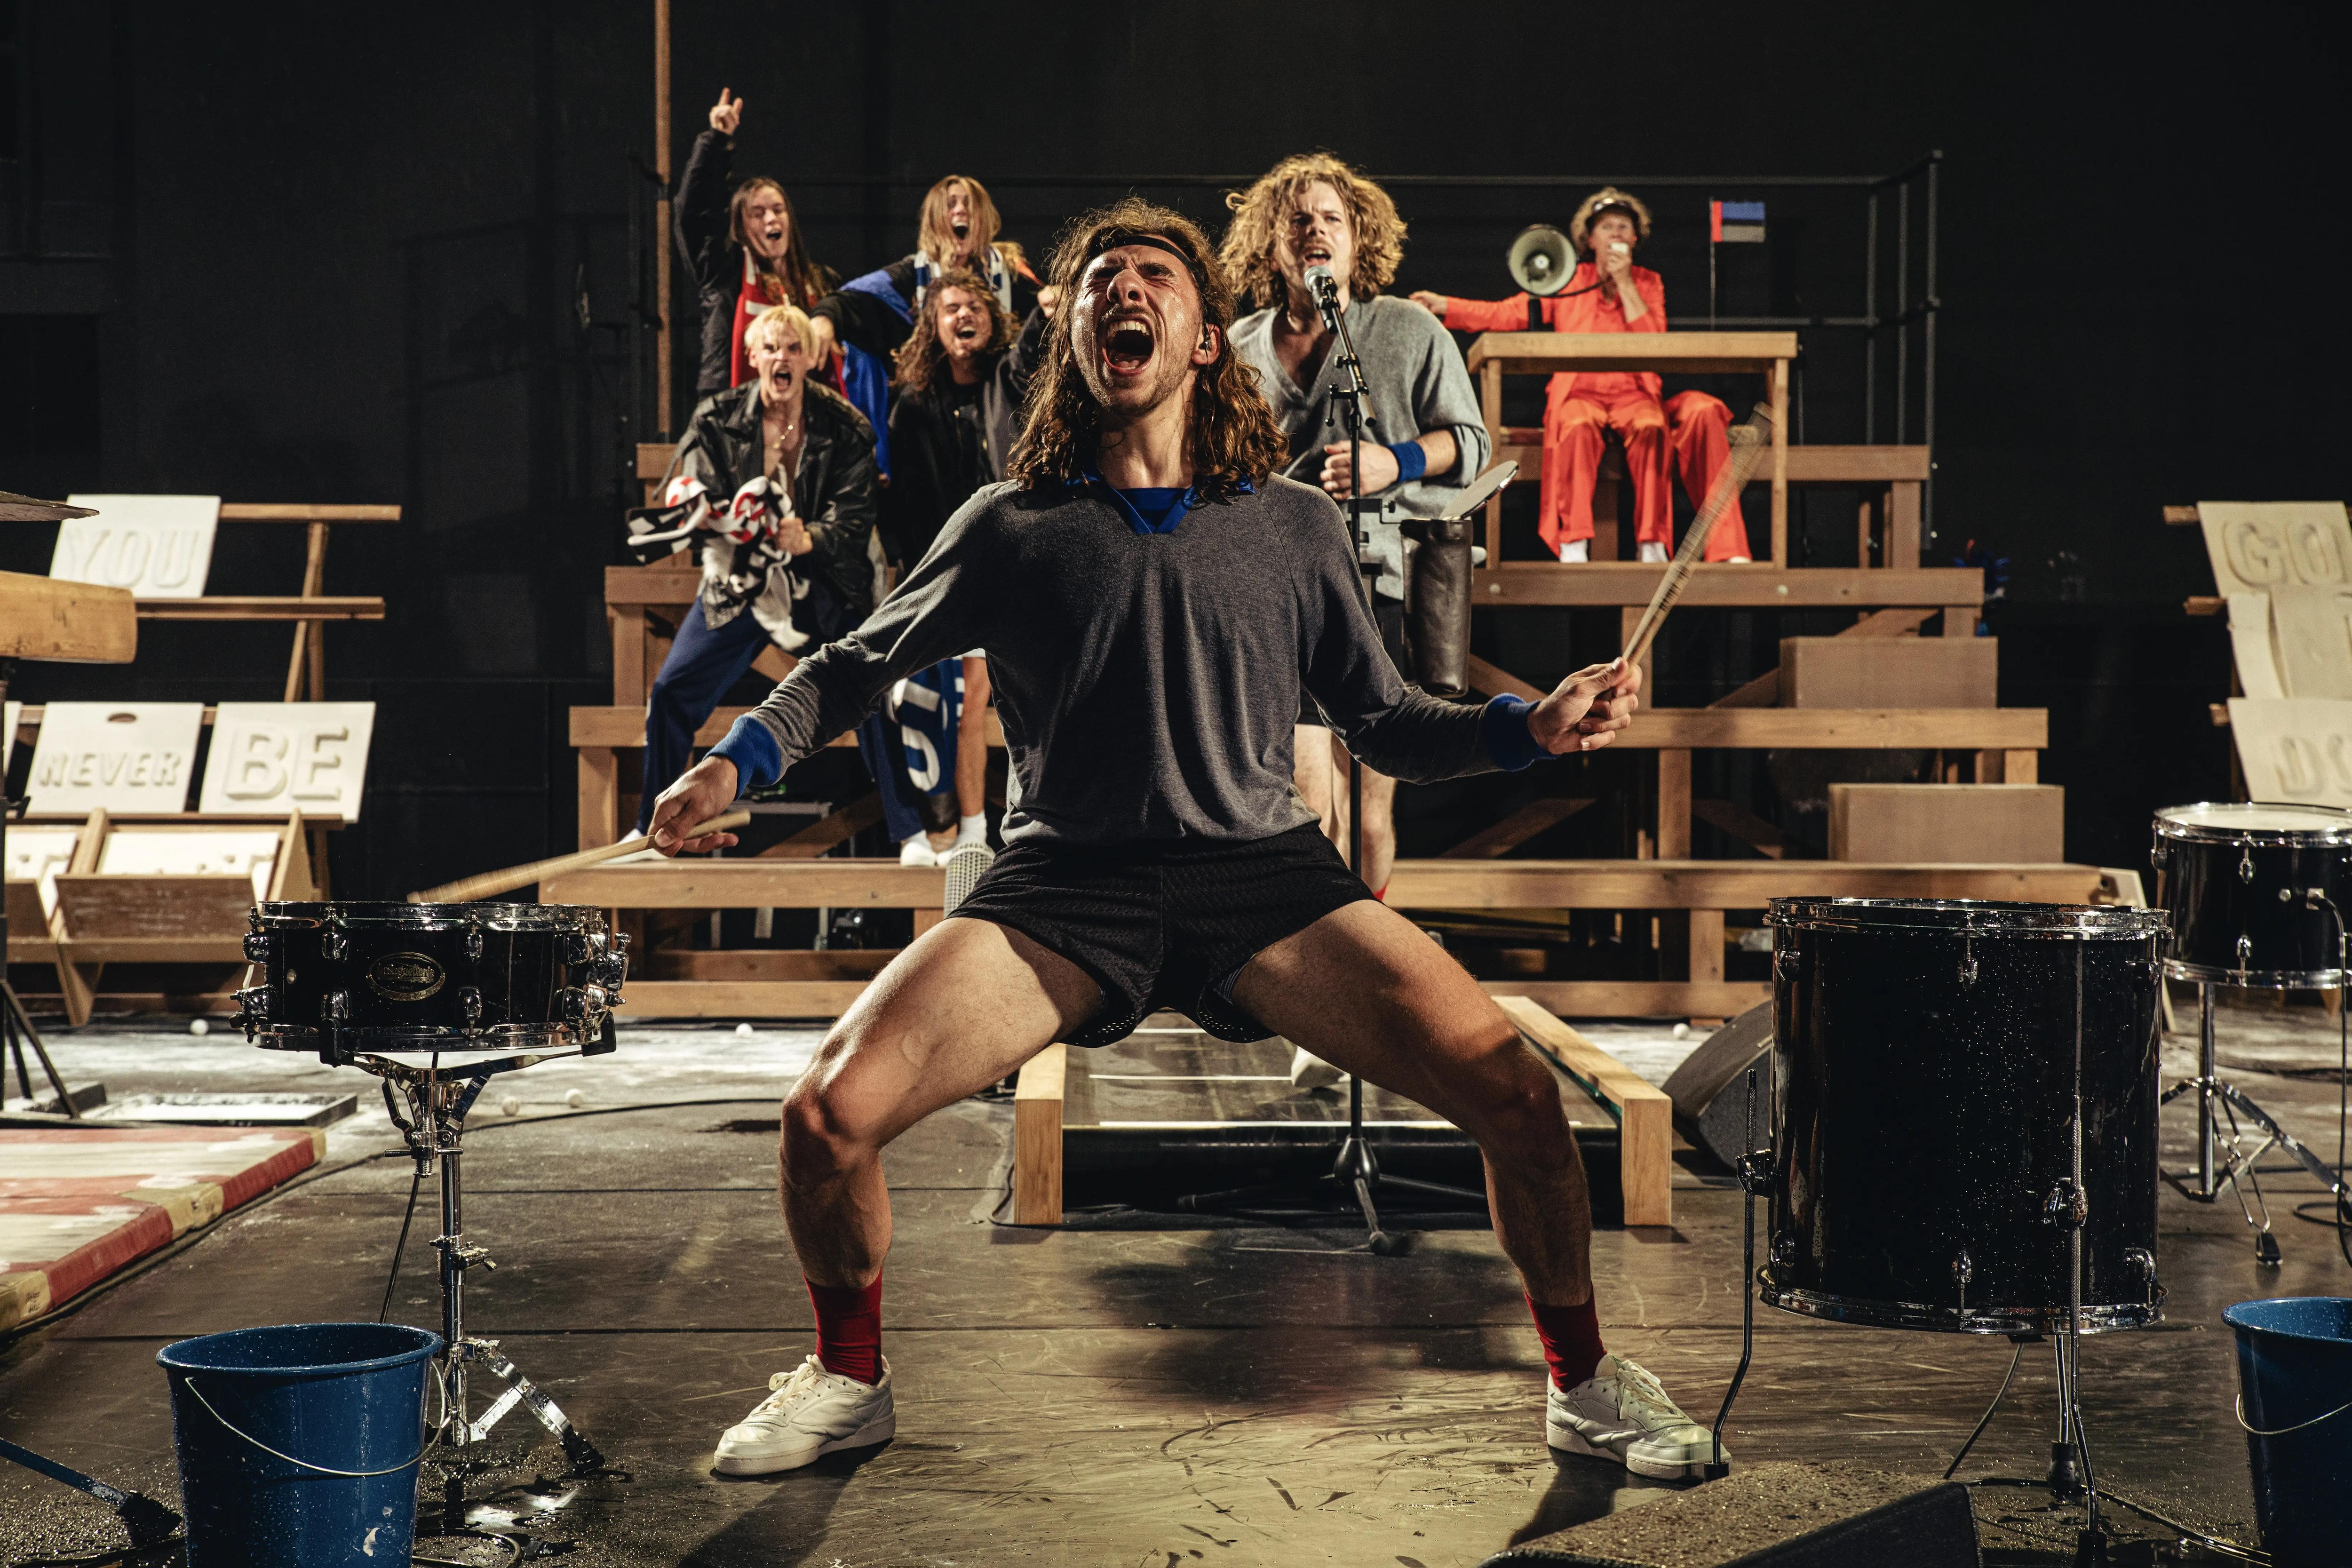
(68, 623)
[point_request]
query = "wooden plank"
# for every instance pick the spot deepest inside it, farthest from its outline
(154, 948)
(651, 586)
(739, 998)
(1906, 505)
(1743, 824)
(1889, 624)
(1498, 683)
(1674, 803)
(624, 726)
(1834, 465)
(77, 623)
(1707, 947)
(1542, 353)
(1037, 1137)
(654, 458)
(2020, 767)
(767, 963)
(309, 650)
(1721, 586)
(1837, 729)
(153, 905)
(304, 512)
(749, 884)
(1501, 837)
(627, 627)
(926, 918)
(600, 797)
(1718, 884)
(1780, 397)
(1644, 1114)
(1490, 403)
(821, 835)
(264, 607)
(2182, 516)
(1764, 692)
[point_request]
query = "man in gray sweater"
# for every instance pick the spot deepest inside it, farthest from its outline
(1152, 598)
(1425, 441)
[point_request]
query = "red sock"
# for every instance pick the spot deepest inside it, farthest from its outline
(1381, 892)
(1571, 1340)
(849, 1328)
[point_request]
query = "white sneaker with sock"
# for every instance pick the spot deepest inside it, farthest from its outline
(1620, 1413)
(918, 852)
(1652, 553)
(811, 1413)
(1577, 550)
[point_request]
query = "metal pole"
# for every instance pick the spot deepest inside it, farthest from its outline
(452, 1246)
(1902, 309)
(2206, 1186)
(1870, 333)
(663, 374)
(1927, 388)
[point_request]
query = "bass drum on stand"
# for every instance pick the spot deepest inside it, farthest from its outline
(2234, 879)
(1924, 1140)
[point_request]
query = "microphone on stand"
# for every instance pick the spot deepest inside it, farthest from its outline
(1326, 290)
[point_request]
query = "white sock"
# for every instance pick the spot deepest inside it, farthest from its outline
(1652, 552)
(971, 829)
(1577, 550)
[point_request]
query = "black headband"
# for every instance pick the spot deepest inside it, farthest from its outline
(1113, 238)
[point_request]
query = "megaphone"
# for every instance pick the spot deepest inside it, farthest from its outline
(1541, 260)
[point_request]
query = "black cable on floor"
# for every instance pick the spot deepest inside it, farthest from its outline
(1986, 1419)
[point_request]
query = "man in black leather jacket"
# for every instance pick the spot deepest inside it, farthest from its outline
(782, 470)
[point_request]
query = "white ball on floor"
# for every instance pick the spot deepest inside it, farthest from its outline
(742, 1028)
(574, 1098)
(1681, 1031)
(510, 1105)
(198, 1027)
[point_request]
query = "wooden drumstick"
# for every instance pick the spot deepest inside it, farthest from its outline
(490, 883)
(1750, 443)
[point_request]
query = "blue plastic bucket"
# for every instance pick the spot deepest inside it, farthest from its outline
(2294, 1382)
(299, 1444)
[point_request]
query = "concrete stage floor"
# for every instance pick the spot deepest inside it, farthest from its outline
(1119, 1397)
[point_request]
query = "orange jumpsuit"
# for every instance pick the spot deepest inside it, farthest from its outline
(1688, 428)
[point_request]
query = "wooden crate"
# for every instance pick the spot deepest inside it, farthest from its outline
(1949, 823)
(1889, 672)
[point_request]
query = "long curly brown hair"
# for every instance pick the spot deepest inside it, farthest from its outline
(921, 359)
(1231, 436)
(1258, 214)
(797, 280)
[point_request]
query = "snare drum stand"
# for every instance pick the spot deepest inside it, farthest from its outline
(438, 1101)
(2217, 1098)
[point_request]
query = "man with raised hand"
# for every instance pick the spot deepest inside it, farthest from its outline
(1152, 598)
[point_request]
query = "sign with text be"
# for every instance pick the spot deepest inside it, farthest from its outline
(272, 757)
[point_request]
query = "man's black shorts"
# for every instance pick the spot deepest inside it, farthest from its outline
(1163, 925)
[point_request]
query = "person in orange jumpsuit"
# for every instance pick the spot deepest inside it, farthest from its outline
(1688, 431)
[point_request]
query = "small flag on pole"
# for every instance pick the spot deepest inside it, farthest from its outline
(1734, 223)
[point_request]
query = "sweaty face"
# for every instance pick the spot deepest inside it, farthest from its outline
(1314, 231)
(958, 203)
(766, 228)
(1610, 229)
(779, 361)
(963, 322)
(1136, 327)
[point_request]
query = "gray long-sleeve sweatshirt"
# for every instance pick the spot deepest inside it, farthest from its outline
(1148, 682)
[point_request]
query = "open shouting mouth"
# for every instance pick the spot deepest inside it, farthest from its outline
(1126, 345)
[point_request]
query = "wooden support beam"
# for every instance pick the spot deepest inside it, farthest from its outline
(1673, 804)
(1889, 624)
(1498, 683)
(825, 831)
(600, 797)
(1707, 947)
(1764, 692)
(1038, 1099)
(1502, 838)
(1743, 824)
(1644, 1114)
(1759, 586)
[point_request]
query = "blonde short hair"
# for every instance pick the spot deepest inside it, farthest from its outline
(777, 319)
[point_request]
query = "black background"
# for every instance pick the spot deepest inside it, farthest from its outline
(294, 253)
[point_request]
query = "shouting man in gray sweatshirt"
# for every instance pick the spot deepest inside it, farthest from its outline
(1152, 598)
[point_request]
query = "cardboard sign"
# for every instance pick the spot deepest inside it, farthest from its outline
(2258, 546)
(38, 854)
(2297, 750)
(2250, 643)
(2311, 628)
(123, 756)
(310, 757)
(159, 547)
(220, 853)
(11, 714)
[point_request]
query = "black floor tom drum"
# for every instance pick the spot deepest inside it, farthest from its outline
(2237, 881)
(1927, 1056)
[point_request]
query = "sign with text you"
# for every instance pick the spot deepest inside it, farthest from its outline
(119, 756)
(276, 757)
(159, 547)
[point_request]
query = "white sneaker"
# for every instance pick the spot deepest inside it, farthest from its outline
(1735, 561)
(1620, 1413)
(918, 852)
(1652, 553)
(810, 1413)
(1577, 551)
(1308, 1070)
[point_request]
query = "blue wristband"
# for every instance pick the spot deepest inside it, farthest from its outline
(1503, 730)
(1412, 461)
(759, 760)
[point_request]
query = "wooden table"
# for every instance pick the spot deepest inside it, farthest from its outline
(1494, 355)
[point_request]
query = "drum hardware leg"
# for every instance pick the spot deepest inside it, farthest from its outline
(2206, 1187)
(2070, 1206)
(17, 1026)
(1755, 1170)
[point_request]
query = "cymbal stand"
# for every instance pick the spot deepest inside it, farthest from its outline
(433, 1126)
(15, 1023)
(1755, 1171)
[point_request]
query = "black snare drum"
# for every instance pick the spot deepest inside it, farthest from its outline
(340, 977)
(1924, 1145)
(2234, 880)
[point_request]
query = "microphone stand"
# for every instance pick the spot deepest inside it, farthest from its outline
(1354, 1171)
